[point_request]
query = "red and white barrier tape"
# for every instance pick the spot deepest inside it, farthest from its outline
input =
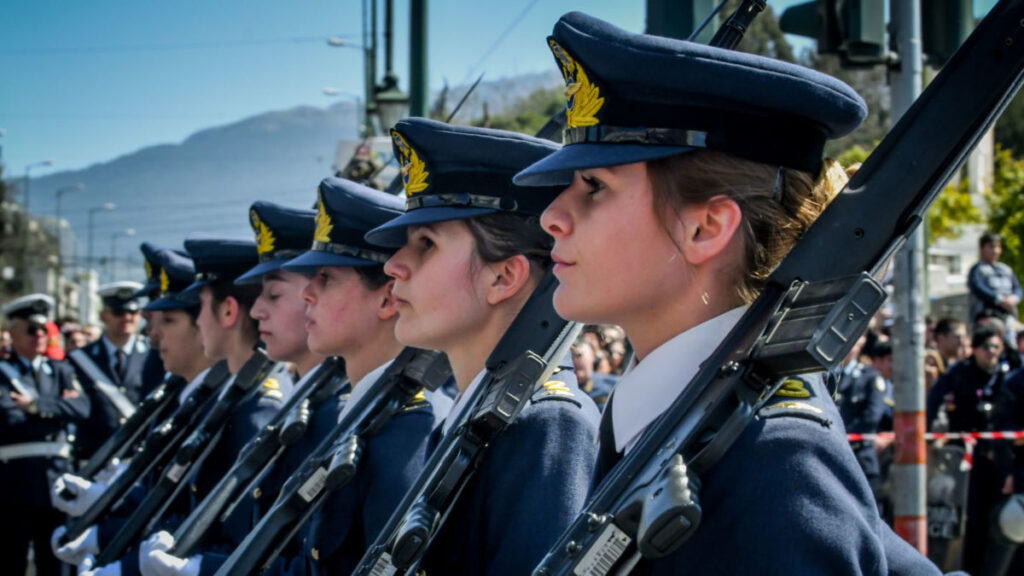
(1002, 435)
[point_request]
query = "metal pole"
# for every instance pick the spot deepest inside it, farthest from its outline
(419, 95)
(908, 471)
(60, 258)
(389, 23)
(369, 64)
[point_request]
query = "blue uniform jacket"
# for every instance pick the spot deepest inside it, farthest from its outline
(599, 388)
(26, 481)
(322, 420)
(338, 534)
(105, 419)
(530, 486)
(789, 498)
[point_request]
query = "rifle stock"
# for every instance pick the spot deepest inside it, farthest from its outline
(155, 450)
(189, 455)
(811, 312)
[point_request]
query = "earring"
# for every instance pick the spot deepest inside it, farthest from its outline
(705, 298)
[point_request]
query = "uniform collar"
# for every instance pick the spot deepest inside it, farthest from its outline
(111, 349)
(362, 387)
(649, 387)
(460, 402)
(192, 385)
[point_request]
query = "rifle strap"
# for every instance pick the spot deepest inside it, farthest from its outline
(108, 390)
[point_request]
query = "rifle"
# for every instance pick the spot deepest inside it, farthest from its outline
(514, 372)
(155, 450)
(258, 456)
(189, 456)
(153, 407)
(336, 459)
(810, 313)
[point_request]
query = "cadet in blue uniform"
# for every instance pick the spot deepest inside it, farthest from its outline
(227, 332)
(111, 368)
(281, 234)
(39, 399)
(471, 254)
(860, 397)
(691, 171)
(153, 372)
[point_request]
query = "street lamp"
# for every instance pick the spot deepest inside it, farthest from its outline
(92, 212)
(60, 243)
(126, 233)
(392, 103)
(28, 219)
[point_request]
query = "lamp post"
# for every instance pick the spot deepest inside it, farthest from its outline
(126, 233)
(391, 103)
(28, 220)
(363, 128)
(92, 213)
(60, 244)
(369, 73)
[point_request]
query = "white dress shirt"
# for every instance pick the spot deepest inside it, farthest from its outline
(650, 386)
(362, 387)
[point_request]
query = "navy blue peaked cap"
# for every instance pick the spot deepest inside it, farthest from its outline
(282, 234)
(634, 97)
(218, 259)
(151, 260)
(346, 211)
(458, 172)
(177, 273)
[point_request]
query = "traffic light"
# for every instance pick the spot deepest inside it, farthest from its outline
(944, 26)
(853, 29)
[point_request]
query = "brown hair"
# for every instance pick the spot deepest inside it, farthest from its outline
(772, 222)
(245, 295)
(502, 235)
(372, 277)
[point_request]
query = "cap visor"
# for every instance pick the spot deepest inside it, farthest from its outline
(557, 169)
(255, 274)
(171, 303)
(391, 234)
(309, 262)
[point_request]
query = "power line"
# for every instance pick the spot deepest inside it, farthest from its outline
(165, 47)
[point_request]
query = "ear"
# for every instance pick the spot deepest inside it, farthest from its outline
(387, 307)
(505, 279)
(228, 312)
(705, 231)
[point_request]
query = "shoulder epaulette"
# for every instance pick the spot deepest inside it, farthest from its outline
(555, 390)
(418, 402)
(795, 397)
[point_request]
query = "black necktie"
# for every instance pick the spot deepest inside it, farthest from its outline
(607, 456)
(119, 363)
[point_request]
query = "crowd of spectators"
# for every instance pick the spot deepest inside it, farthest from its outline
(64, 336)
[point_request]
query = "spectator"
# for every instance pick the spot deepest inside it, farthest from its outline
(598, 386)
(967, 395)
(993, 286)
(934, 366)
(74, 336)
(603, 363)
(951, 340)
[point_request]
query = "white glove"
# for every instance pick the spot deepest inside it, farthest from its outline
(85, 494)
(74, 551)
(111, 471)
(88, 568)
(160, 563)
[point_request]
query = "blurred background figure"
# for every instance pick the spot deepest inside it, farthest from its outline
(993, 287)
(597, 385)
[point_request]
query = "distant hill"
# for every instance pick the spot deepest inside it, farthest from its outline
(206, 183)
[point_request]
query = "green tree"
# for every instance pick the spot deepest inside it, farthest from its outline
(528, 115)
(1006, 207)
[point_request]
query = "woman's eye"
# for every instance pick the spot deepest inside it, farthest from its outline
(273, 297)
(593, 185)
(425, 243)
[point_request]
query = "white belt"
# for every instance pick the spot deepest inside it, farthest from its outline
(35, 450)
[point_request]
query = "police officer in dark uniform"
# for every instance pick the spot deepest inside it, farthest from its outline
(111, 368)
(39, 399)
(861, 400)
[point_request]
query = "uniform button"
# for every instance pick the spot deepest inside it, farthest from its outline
(316, 554)
(257, 493)
(122, 420)
(122, 389)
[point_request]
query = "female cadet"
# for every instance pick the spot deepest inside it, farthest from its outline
(693, 171)
(281, 234)
(350, 313)
(472, 254)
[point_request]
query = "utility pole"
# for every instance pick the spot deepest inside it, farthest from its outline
(909, 470)
(419, 79)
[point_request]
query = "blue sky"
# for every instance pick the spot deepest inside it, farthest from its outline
(86, 82)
